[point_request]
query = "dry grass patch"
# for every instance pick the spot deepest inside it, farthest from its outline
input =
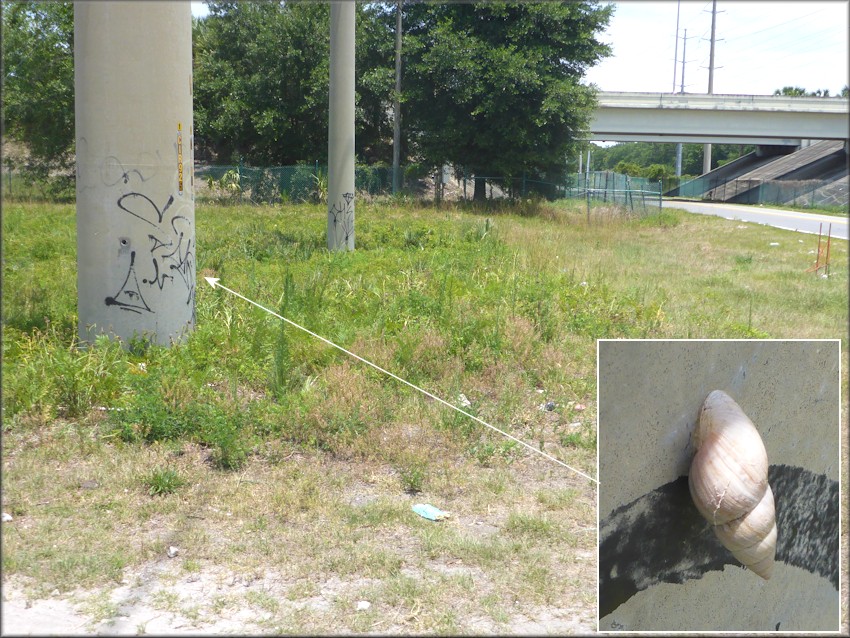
(288, 530)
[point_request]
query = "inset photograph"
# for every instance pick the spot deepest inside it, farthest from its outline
(719, 465)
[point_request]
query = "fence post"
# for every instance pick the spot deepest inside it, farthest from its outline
(660, 188)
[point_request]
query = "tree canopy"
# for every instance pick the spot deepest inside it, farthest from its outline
(261, 87)
(38, 81)
(796, 91)
(649, 159)
(494, 87)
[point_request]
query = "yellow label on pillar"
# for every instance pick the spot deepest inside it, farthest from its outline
(180, 157)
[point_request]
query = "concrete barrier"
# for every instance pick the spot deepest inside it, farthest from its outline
(660, 565)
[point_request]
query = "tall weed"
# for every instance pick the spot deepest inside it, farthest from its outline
(46, 372)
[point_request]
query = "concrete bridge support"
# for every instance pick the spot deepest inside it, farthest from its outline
(135, 202)
(341, 129)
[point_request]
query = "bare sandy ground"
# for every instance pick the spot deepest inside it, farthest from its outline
(161, 600)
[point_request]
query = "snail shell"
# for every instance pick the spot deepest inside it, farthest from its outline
(728, 483)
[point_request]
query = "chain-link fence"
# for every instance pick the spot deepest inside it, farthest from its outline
(20, 186)
(811, 193)
(299, 183)
(637, 194)
(308, 183)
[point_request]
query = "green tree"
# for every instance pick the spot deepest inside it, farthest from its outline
(650, 155)
(627, 168)
(796, 91)
(656, 172)
(791, 91)
(261, 81)
(375, 82)
(38, 82)
(496, 87)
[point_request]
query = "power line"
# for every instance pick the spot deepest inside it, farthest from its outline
(796, 20)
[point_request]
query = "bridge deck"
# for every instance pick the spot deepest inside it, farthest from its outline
(702, 118)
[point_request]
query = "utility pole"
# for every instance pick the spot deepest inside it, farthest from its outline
(706, 149)
(675, 65)
(676, 48)
(397, 102)
(681, 90)
(136, 251)
(341, 128)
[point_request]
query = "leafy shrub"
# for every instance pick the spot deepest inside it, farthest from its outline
(226, 189)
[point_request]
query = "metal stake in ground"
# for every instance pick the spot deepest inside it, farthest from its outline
(213, 281)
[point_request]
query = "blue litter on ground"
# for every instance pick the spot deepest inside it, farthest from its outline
(430, 512)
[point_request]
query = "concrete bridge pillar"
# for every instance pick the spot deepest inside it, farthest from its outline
(135, 202)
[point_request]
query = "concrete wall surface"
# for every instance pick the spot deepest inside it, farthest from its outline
(660, 565)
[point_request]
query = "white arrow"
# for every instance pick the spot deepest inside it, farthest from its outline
(213, 281)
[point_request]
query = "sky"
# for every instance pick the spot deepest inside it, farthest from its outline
(760, 46)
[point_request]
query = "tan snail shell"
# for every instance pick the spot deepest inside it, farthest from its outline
(728, 481)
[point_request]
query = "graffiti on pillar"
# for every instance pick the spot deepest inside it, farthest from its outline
(112, 172)
(171, 252)
(129, 297)
(342, 217)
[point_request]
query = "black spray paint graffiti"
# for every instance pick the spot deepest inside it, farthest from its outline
(661, 537)
(130, 296)
(172, 253)
(112, 171)
(342, 216)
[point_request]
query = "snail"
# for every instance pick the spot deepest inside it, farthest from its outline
(728, 483)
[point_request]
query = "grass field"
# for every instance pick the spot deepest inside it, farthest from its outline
(268, 457)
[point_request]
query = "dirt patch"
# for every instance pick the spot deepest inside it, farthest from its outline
(305, 545)
(161, 599)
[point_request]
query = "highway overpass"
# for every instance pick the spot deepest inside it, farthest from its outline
(719, 119)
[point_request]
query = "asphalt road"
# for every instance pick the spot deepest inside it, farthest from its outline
(787, 219)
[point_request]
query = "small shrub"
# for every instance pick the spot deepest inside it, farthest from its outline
(412, 474)
(163, 481)
(223, 433)
(227, 189)
(149, 418)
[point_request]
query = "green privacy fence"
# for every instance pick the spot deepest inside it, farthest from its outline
(308, 182)
(811, 193)
(276, 184)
